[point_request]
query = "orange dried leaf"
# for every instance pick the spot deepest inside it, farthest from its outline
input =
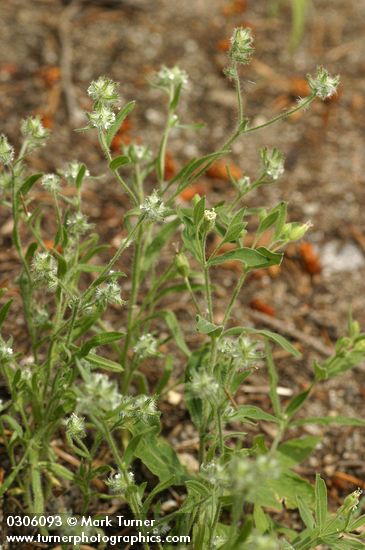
(259, 305)
(224, 44)
(218, 170)
(310, 258)
(192, 190)
(234, 7)
(170, 166)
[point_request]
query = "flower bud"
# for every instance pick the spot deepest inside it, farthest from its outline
(170, 78)
(33, 129)
(273, 162)
(210, 217)
(182, 264)
(294, 231)
(323, 85)
(102, 118)
(6, 351)
(109, 294)
(241, 45)
(6, 150)
(120, 482)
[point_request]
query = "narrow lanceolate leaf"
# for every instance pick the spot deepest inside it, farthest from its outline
(252, 258)
(100, 340)
(320, 490)
(28, 184)
(296, 402)
(4, 311)
(328, 420)
(104, 363)
(206, 327)
(305, 513)
(118, 162)
(80, 176)
(123, 113)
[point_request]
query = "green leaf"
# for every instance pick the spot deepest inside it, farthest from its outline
(252, 258)
(253, 413)
(187, 171)
(118, 162)
(104, 363)
(320, 490)
(296, 402)
(80, 176)
(206, 327)
(123, 113)
(13, 424)
(262, 522)
(100, 340)
(175, 329)
(4, 310)
(289, 485)
(329, 420)
(160, 458)
(305, 513)
(295, 451)
(198, 212)
(28, 184)
(168, 368)
(60, 471)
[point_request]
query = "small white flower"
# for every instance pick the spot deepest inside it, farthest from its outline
(241, 45)
(6, 150)
(153, 207)
(102, 118)
(210, 216)
(323, 85)
(51, 182)
(273, 162)
(146, 346)
(103, 90)
(75, 426)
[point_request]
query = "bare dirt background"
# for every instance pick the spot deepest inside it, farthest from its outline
(51, 50)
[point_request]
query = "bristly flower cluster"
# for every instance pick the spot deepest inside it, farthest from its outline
(6, 351)
(142, 408)
(168, 79)
(104, 93)
(241, 48)
(109, 294)
(44, 268)
(146, 346)
(120, 482)
(75, 426)
(153, 207)
(323, 85)
(72, 171)
(100, 392)
(6, 150)
(34, 132)
(51, 182)
(273, 162)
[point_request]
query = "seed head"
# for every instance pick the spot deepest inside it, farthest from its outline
(323, 85)
(6, 150)
(241, 46)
